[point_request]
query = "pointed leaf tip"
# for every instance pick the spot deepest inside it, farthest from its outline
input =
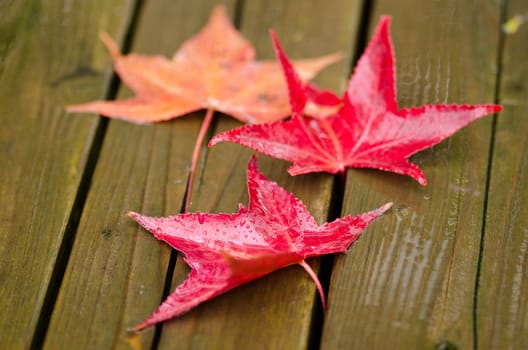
(139, 328)
(386, 207)
(219, 17)
(110, 44)
(383, 27)
(219, 11)
(496, 108)
(385, 21)
(295, 86)
(382, 31)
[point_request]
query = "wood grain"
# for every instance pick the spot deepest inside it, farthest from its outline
(117, 271)
(416, 279)
(409, 283)
(502, 305)
(275, 311)
(48, 57)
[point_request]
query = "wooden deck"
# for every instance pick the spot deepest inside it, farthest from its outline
(446, 268)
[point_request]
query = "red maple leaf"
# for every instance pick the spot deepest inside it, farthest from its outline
(227, 250)
(215, 69)
(368, 131)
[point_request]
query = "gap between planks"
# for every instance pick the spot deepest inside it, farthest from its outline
(110, 88)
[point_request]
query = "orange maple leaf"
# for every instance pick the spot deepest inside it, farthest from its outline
(215, 70)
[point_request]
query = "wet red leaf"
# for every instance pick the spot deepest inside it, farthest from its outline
(227, 250)
(215, 70)
(368, 130)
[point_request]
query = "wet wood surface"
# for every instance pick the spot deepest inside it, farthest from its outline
(410, 282)
(502, 298)
(445, 268)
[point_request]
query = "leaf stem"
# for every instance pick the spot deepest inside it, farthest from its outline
(318, 285)
(195, 155)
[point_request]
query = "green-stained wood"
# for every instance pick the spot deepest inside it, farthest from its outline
(502, 304)
(275, 311)
(409, 283)
(116, 272)
(48, 57)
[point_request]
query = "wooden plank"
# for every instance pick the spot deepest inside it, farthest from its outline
(409, 283)
(47, 58)
(117, 272)
(275, 311)
(502, 304)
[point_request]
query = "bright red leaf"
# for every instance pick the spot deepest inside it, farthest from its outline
(227, 250)
(368, 131)
(215, 70)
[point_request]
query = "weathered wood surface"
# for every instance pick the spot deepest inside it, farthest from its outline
(409, 283)
(47, 58)
(502, 303)
(445, 268)
(117, 271)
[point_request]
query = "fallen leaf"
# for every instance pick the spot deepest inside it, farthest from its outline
(227, 250)
(368, 131)
(215, 70)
